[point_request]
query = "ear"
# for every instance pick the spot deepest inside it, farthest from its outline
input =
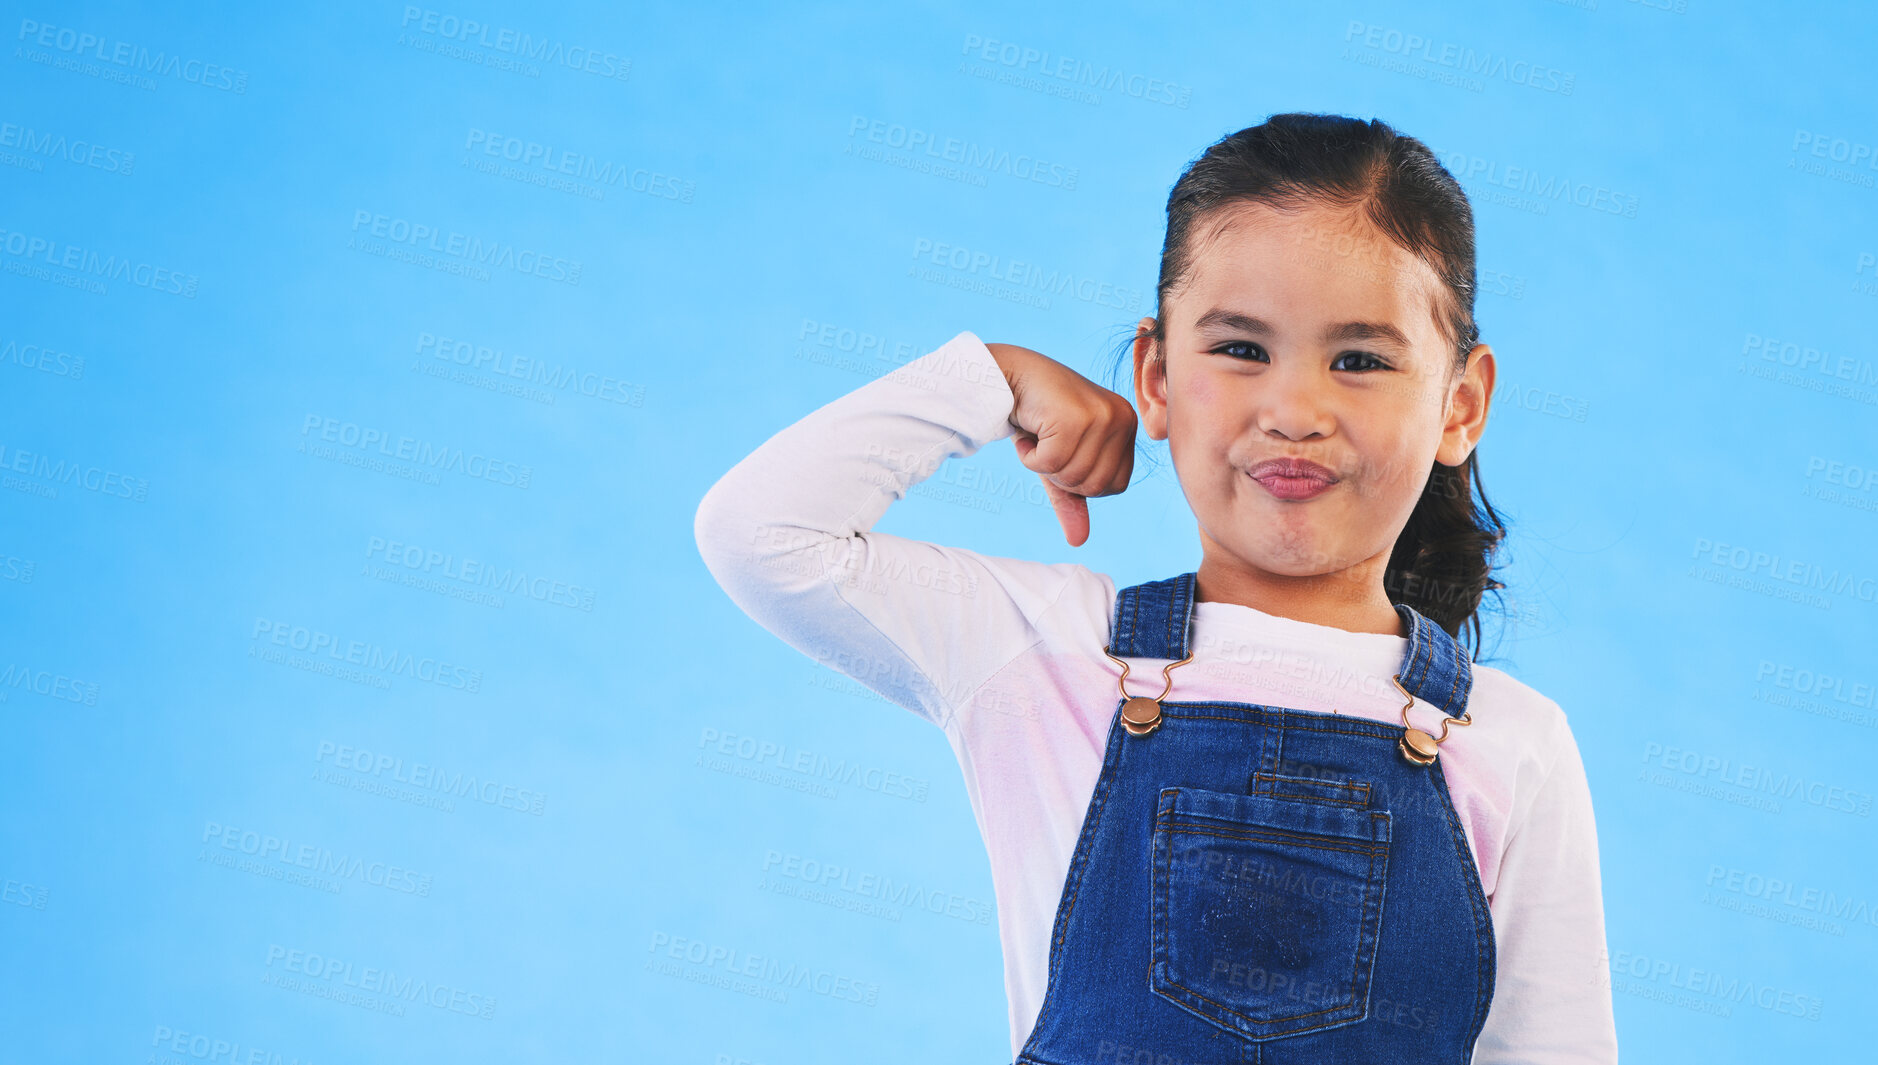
(1468, 401)
(1150, 381)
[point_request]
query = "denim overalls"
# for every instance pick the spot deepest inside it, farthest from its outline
(1259, 884)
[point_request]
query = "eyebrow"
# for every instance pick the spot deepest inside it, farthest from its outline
(1342, 331)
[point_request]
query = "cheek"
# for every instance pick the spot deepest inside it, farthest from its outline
(1396, 463)
(1201, 412)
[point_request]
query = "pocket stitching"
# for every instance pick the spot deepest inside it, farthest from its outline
(1375, 849)
(1301, 839)
(1270, 780)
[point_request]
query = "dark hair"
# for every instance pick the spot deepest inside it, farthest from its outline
(1443, 560)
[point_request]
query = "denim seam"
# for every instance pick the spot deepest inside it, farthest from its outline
(1079, 859)
(1484, 943)
(1376, 729)
(1371, 886)
(1165, 825)
(1179, 613)
(1300, 838)
(1264, 783)
(1424, 655)
(1457, 667)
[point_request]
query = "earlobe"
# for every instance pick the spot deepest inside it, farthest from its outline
(1151, 404)
(1467, 410)
(1150, 381)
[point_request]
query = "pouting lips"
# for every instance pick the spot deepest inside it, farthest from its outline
(1292, 478)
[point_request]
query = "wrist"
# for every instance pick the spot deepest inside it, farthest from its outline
(1010, 359)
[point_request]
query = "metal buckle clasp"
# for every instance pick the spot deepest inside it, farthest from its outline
(1418, 746)
(1140, 714)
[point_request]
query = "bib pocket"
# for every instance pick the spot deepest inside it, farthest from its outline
(1266, 911)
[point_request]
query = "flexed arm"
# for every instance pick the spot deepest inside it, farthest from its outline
(787, 534)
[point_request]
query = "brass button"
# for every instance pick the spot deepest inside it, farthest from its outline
(1417, 746)
(1141, 715)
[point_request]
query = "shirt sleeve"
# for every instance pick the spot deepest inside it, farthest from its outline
(1552, 993)
(787, 534)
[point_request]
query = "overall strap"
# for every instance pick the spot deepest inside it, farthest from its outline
(1154, 619)
(1435, 668)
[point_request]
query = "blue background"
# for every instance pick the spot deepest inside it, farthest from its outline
(1691, 514)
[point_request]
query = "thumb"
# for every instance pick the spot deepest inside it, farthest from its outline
(1072, 510)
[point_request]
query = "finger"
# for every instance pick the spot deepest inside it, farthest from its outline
(1109, 459)
(1052, 450)
(1101, 466)
(1116, 472)
(1072, 513)
(1103, 458)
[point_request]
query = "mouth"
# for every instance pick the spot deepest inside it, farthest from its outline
(1290, 478)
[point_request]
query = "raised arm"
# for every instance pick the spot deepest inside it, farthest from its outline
(786, 534)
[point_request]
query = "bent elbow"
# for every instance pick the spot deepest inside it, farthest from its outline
(753, 555)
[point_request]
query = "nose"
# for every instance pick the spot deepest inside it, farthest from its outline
(1291, 404)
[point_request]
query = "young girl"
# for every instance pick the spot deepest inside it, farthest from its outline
(1267, 810)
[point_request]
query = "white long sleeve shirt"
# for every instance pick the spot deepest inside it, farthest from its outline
(1005, 656)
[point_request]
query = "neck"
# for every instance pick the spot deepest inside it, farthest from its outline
(1351, 599)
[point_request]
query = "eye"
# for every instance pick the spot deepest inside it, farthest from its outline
(1365, 361)
(1244, 350)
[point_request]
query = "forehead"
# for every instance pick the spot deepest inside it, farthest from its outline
(1307, 266)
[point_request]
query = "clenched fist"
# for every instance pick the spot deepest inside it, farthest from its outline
(1078, 436)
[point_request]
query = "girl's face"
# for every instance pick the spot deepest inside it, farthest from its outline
(1306, 392)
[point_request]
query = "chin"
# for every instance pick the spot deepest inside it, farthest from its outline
(1296, 558)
